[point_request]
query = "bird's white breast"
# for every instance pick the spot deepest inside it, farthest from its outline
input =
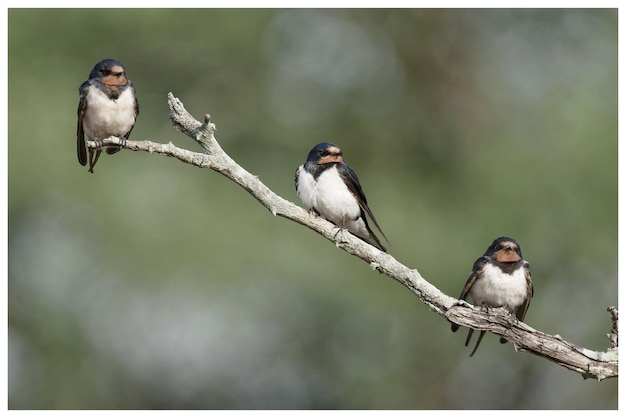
(328, 195)
(105, 117)
(496, 288)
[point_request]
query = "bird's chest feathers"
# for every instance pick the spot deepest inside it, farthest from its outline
(498, 289)
(105, 117)
(328, 195)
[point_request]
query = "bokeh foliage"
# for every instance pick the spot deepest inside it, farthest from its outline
(153, 284)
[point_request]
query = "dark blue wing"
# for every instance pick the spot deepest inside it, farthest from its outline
(477, 270)
(352, 181)
(81, 148)
(521, 312)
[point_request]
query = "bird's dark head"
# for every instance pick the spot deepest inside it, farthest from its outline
(325, 153)
(505, 250)
(110, 72)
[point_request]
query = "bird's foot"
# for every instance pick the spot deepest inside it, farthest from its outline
(99, 144)
(339, 234)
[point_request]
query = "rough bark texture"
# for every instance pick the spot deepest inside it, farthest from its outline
(588, 363)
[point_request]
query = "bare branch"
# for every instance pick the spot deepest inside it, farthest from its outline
(588, 363)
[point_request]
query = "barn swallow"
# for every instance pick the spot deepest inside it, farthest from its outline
(331, 189)
(500, 278)
(108, 107)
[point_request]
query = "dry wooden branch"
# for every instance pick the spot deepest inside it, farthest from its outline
(589, 363)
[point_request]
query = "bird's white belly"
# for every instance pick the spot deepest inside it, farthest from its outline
(329, 196)
(105, 117)
(495, 288)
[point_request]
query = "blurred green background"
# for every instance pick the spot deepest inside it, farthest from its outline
(153, 284)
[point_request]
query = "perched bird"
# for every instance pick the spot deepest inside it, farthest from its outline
(331, 189)
(500, 278)
(108, 107)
